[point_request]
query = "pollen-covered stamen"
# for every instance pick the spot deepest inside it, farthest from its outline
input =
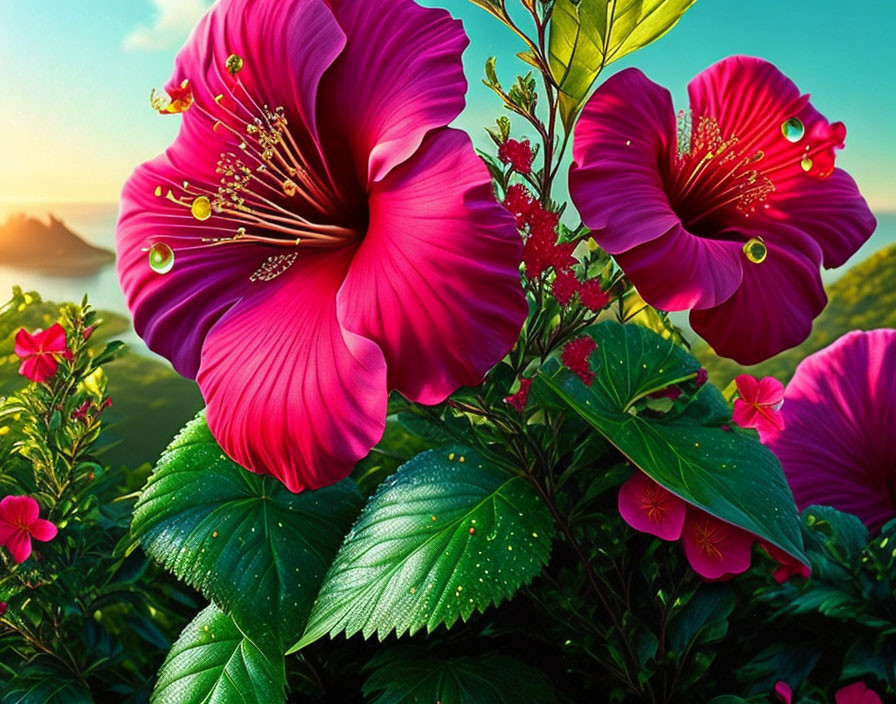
(178, 100)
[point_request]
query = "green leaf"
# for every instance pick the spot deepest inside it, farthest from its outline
(727, 473)
(245, 541)
(586, 35)
(213, 661)
(46, 685)
(703, 619)
(448, 534)
(414, 675)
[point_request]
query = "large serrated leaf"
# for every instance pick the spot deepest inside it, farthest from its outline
(586, 35)
(450, 533)
(726, 472)
(213, 662)
(244, 540)
(414, 675)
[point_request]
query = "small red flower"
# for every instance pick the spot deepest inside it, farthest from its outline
(702, 377)
(19, 523)
(518, 154)
(518, 400)
(38, 352)
(787, 566)
(3, 608)
(565, 287)
(575, 357)
(759, 404)
(650, 508)
(715, 549)
(857, 693)
(783, 693)
(519, 201)
(593, 295)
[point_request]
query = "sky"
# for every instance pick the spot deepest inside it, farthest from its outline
(74, 105)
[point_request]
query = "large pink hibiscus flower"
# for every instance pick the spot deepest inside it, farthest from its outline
(838, 447)
(732, 212)
(316, 235)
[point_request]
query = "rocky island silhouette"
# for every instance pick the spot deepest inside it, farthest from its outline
(49, 248)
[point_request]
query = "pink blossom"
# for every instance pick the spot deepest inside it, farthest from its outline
(787, 566)
(19, 523)
(318, 236)
(856, 693)
(783, 692)
(733, 216)
(759, 404)
(518, 400)
(650, 508)
(839, 445)
(39, 351)
(715, 549)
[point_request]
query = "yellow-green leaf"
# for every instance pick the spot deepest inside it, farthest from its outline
(586, 35)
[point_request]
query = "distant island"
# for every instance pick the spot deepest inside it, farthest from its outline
(862, 299)
(49, 248)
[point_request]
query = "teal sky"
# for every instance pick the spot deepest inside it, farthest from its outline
(75, 114)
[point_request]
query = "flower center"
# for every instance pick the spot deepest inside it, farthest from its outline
(271, 190)
(708, 542)
(652, 503)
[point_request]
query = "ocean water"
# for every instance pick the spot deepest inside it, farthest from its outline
(95, 222)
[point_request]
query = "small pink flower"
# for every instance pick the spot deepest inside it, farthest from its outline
(517, 154)
(856, 693)
(38, 352)
(787, 566)
(702, 377)
(715, 549)
(783, 693)
(759, 404)
(19, 523)
(575, 357)
(648, 507)
(518, 400)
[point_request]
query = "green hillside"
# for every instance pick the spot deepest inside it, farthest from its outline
(863, 299)
(150, 401)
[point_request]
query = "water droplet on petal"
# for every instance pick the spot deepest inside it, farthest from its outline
(793, 130)
(161, 258)
(806, 164)
(755, 250)
(201, 208)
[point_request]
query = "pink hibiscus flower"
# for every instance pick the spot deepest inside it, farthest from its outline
(759, 404)
(856, 693)
(839, 445)
(39, 351)
(19, 523)
(650, 508)
(317, 235)
(732, 213)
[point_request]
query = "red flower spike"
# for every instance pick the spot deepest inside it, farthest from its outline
(648, 507)
(565, 287)
(715, 549)
(593, 295)
(857, 693)
(519, 201)
(518, 400)
(19, 523)
(518, 154)
(702, 377)
(38, 352)
(575, 357)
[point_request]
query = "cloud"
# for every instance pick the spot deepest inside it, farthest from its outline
(173, 21)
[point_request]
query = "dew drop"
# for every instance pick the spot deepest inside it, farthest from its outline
(201, 208)
(755, 250)
(806, 164)
(161, 258)
(793, 130)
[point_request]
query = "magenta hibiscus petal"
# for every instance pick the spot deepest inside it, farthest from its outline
(715, 549)
(39, 350)
(839, 444)
(437, 258)
(317, 235)
(733, 216)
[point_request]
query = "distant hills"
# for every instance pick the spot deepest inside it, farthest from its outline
(49, 248)
(864, 298)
